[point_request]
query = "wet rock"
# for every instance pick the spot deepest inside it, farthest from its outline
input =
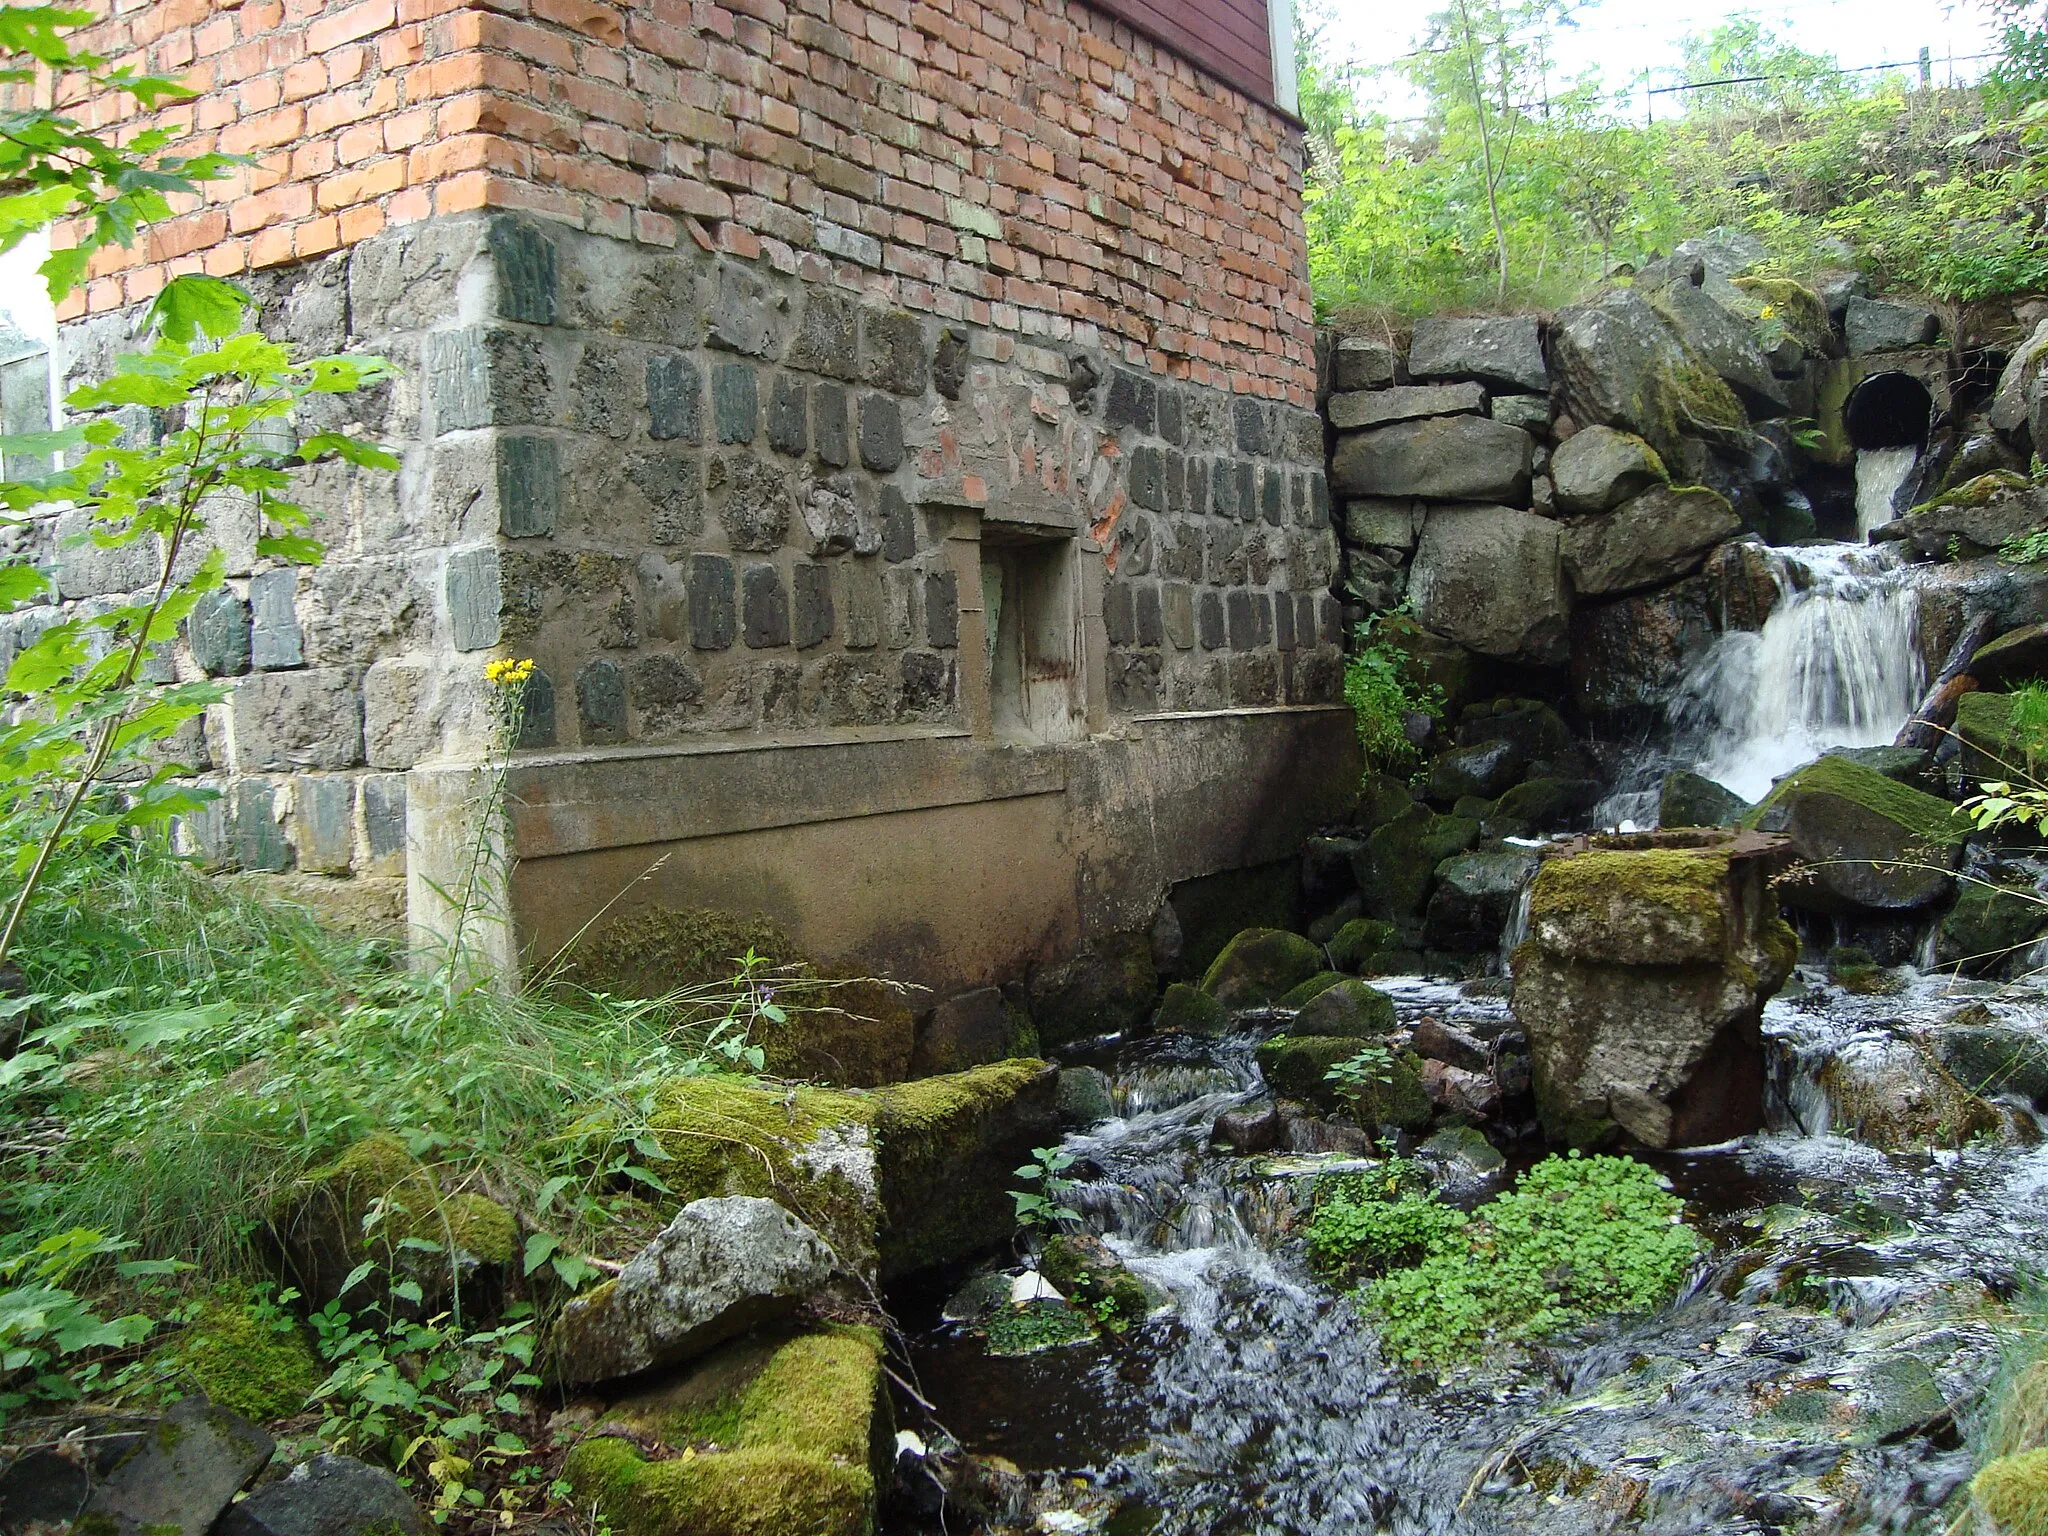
(1400, 861)
(1629, 655)
(1975, 519)
(1327, 927)
(327, 1496)
(1661, 535)
(972, 1030)
(1084, 1098)
(1381, 407)
(1486, 769)
(1166, 940)
(1538, 806)
(1619, 366)
(2014, 657)
(1988, 1056)
(1894, 1093)
(1642, 988)
(1381, 798)
(1474, 897)
(182, 1475)
(1600, 468)
(1505, 351)
(1102, 991)
(1248, 1128)
(1460, 1156)
(1445, 458)
(980, 1295)
(1990, 927)
(1743, 578)
(1260, 966)
(1359, 939)
(1884, 325)
(722, 1268)
(1468, 1095)
(1912, 766)
(1435, 1040)
(1297, 1067)
(1350, 1010)
(1188, 1010)
(1492, 580)
(1301, 996)
(1689, 800)
(1305, 1133)
(1537, 729)
(1326, 868)
(1863, 840)
(1086, 1268)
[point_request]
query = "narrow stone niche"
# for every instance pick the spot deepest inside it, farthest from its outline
(1031, 594)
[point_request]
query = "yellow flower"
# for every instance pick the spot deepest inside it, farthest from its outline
(1770, 312)
(507, 673)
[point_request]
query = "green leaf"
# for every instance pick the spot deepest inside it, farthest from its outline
(188, 307)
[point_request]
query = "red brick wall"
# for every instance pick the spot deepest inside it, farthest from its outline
(1027, 165)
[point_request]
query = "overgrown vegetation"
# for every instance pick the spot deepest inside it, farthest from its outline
(1577, 1238)
(1514, 188)
(1381, 686)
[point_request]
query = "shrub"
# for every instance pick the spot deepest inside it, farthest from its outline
(1382, 690)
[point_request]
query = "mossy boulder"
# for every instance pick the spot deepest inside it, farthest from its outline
(1358, 939)
(948, 1148)
(2015, 657)
(1990, 926)
(1087, 1269)
(2011, 1494)
(1104, 990)
(1381, 797)
(1689, 800)
(1653, 906)
(1260, 966)
(1475, 896)
(1894, 1093)
(1865, 842)
(1992, 748)
(1987, 1056)
(243, 1354)
(1214, 909)
(1297, 1067)
(1308, 991)
(856, 1032)
(1400, 860)
(1084, 1097)
(1350, 1009)
(376, 1203)
(1188, 1010)
(1539, 806)
(769, 1436)
(1485, 770)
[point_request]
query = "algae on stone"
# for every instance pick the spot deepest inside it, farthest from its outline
(250, 1358)
(1661, 906)
(1359, 939)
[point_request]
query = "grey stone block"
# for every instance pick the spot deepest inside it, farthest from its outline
(1254, 432)
(1176, 481)
(1133, 401)
(218, 633)
(1247, 490)
(1172, 418)
(1151, 625)
(474, 598)
(735, 403)
(1222, 480)
(813, 607)
(675, 399)
(711, 602)
(827, 337)
(285, 721)
(941, 610)
(600, 400)
(753, 500)
(828, 414)
(902, 607)
(1211, 621)
(1273, 495)
(892, 355)
(1177, 610)
(86, 570)
(256, 841)
(1882, 325)
(1241, 622)
(484, 376)
(398, 720)
(1382, 407)
(525, 259)
(529, 486)
(1283, 622)
(674, 487)
(881, 433)
(861, 602)
(327, 1496)
(383, 796)
(786, 416)
(1529, 412)
(537, 712)
(741, 313)
(177, 1482)
(927, 690)
(1362, 363)
(275, 643)
(899, 527)
(324, 823)
(1119, 613)
(601, 703)
(665, 688)
(1201, 495)
(764, 608)
(949, 363)
(1148, 478)
(1505, 351)
(1306, 622)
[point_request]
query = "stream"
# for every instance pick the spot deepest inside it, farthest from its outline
(1816, 1371)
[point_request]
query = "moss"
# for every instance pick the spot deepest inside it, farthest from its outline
(654, 951)
(247, 1357)
(1187, 1010)
(2012, 1492)
(1035, 1326)
(1688, 881)
(1309, 990)
(731, 1136)
(1357, 939)
(1795, 306)
(1992, 748)
(776, 1435)
(480, 1227)
(1260, 966)
(1351, 1009)
(1296, 1067)
(1979, 492)
(1927, 819)
(1693, 401)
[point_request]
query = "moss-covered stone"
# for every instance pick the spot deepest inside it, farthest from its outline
(1539, 806)
(778, 1435)
(1864, 841)
(1897, 1095)
(1188, 1010)
(1992, 748)
(1990, 925)
(1087, 1269)
(1653, 906)
(1381, 797)
(1308, 991)
(1357, 939)
(2011, 1493)
(1260, 966)
(1394, 960)
(1399, 864)
(1979, 491)
(811, 1150)
(1350, 1009)
(1793, 305)
(948, 1147)
(250, 1358)
(1214, 909)
(1297, 1067)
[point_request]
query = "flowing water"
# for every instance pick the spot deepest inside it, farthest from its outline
(1880, 473)
(1810, 1371)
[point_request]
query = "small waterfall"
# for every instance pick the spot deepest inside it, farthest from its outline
(1879, 474)
(1837, 664)
(1517, 930)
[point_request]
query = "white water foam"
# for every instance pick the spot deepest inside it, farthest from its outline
(1879, 474)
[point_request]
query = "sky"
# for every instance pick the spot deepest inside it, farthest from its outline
(1627, 37)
